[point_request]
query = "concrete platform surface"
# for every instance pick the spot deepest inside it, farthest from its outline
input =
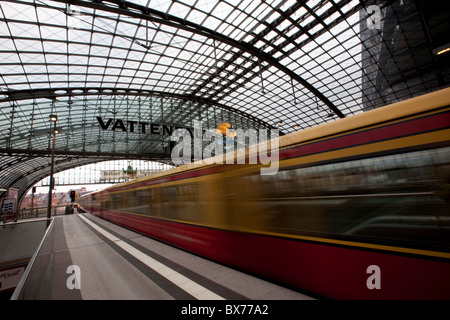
(98, 260)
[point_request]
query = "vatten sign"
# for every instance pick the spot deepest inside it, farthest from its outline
(138, 126)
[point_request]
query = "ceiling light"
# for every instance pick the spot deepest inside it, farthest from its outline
(442, 49)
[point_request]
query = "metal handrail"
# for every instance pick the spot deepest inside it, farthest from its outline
(24, 278)
(36, 211)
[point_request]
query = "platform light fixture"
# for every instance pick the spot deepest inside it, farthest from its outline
(442, 49)
(53, 118)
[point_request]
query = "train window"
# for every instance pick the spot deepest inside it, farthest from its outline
(116, 200)
(427, 158)
(169, 207)
(188, 203)
(442, 155)
(403, 197)
(142, 201)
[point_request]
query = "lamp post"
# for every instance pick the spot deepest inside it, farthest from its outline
(53, 118)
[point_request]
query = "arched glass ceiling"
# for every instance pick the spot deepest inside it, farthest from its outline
(300, 63)
(96, 122)
(286, 63)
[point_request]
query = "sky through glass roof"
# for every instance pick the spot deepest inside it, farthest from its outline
(258, 64)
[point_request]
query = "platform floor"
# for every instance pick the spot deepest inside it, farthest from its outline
(116, 263)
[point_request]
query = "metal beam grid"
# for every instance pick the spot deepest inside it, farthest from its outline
(257, 64)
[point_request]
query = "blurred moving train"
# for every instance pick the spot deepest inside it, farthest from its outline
(358, 210)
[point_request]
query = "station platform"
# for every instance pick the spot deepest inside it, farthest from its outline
(92, 259)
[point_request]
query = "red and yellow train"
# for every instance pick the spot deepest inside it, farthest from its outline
(358, 210)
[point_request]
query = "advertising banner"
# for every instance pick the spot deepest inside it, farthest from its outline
(10, 278)
(106, 175)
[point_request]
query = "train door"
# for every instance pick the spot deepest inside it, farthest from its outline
(155, 202)
(242, 207)
(210, 200)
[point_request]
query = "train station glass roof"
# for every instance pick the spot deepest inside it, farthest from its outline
(288, 64)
